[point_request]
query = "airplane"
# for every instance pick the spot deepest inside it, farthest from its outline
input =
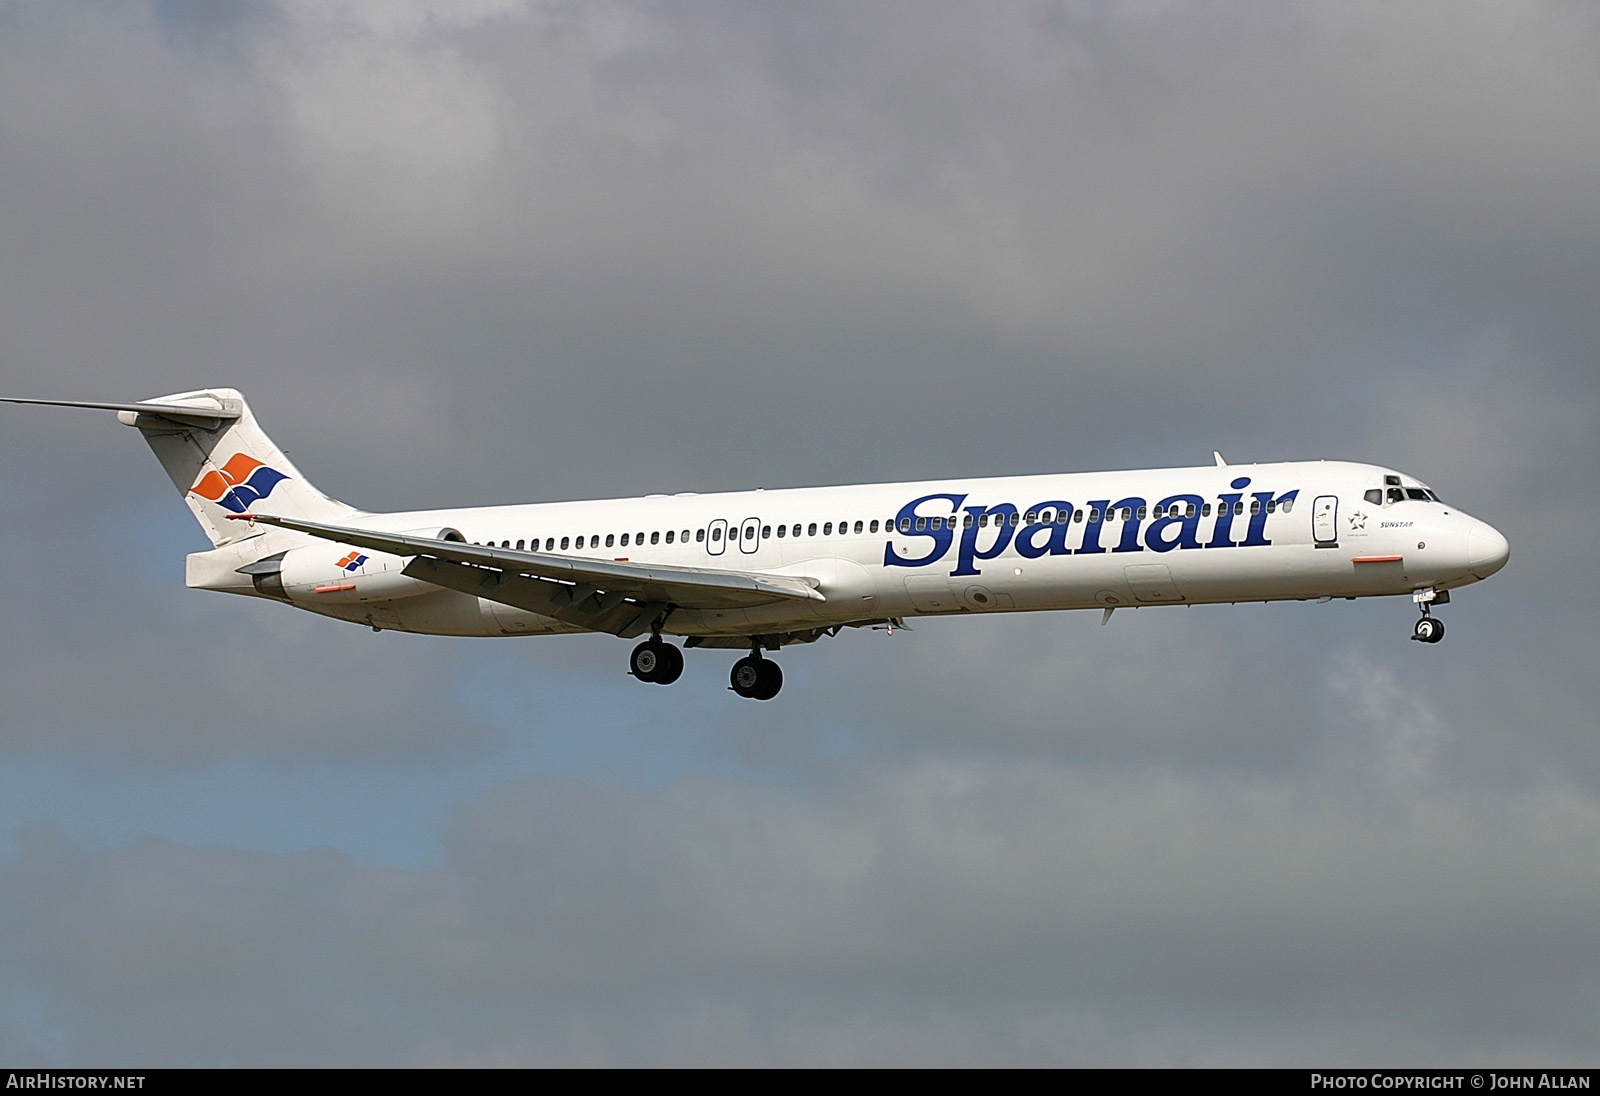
(760, 570)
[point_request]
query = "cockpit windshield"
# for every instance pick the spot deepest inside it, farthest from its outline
(1393, 491)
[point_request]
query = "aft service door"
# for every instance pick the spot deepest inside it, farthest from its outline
(1325, 521)
(750, 535)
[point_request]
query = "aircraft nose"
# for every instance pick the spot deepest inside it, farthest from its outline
(1487, 550)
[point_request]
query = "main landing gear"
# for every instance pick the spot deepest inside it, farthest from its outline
(656, 662)
(661, 663)
(1430, 629)
(755, 678)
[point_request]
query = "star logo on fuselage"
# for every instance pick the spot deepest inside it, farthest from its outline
(1358, 520)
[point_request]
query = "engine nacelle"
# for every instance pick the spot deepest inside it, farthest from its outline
(329, 573)
(334, 574)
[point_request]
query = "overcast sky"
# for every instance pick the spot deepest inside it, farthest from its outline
(459, 253)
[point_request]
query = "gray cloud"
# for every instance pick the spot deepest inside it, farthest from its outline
(1016, 905)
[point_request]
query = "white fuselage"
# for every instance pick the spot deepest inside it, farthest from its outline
(1223, 533)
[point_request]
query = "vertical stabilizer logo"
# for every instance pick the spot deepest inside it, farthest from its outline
(239, 483)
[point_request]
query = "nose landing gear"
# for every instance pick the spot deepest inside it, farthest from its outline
(1429, 629)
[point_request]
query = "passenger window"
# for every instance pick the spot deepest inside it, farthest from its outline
(1288, 504)
(782, 529)
(766, 531)
(1141, 513)
(611, 540)
(655, 538)
(811, 530)
(905, 525)
(1032, 517)
(1094, 515)
(858, 527)
(1077, 516)
(1238, 509)
(564, 544)
(1271, 506)
(699, 536)
(1255, 506)
(874, 525)
(669, 537)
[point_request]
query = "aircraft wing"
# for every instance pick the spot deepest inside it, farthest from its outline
(614, 596)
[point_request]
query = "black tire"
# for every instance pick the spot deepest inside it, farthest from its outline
(746, 676)
(647, 661)
(671, 664)
(1428, 630)
(771, 681)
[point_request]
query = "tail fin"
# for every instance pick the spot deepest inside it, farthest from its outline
(219, 459)
(223, 463)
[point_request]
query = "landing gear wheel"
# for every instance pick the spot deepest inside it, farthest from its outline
(671, 664)
(656, 662)
(1428, 630)
(755, 678)
(771, 681)
(745, 676)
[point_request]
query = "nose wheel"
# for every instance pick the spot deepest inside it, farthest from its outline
(754, 678)
(1428, 630)
(656, 662)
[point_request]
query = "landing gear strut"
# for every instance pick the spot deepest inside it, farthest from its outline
(755, 678)
(1429, 629)
(656, 662)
